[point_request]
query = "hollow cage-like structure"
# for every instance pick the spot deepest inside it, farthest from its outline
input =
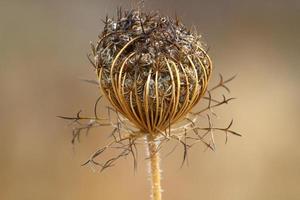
(151, 68)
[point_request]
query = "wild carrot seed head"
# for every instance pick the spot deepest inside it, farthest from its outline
(151, 68)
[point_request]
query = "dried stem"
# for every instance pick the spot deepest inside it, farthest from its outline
(154, 167)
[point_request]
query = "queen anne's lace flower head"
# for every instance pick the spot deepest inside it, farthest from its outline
(152, 69)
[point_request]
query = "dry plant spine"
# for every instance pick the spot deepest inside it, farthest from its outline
(153, 70)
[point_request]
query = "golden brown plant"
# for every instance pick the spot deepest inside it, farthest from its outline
(153, 70)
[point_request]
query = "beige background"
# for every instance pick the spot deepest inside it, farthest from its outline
(42, 58)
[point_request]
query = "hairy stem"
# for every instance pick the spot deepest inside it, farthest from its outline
(154, 168)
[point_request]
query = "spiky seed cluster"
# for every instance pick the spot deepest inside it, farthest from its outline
(152, 68)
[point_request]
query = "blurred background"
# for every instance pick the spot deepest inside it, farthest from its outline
(43, 46)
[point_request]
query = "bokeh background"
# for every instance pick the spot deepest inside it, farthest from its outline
(42, 59)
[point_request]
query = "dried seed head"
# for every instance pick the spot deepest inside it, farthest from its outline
(151, 68)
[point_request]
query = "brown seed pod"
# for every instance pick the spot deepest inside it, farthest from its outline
(152, 69)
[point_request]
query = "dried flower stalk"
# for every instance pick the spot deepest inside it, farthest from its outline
(154, 166)
(153, 70)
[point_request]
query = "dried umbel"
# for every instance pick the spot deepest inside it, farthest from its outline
(152, 68)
